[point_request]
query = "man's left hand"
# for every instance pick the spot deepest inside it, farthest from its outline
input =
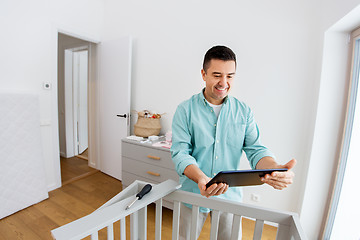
(281, 180)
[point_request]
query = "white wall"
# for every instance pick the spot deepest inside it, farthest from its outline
(29, 57)
(275, 49)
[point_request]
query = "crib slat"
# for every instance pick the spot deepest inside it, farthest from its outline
(236, 225)
(176, 220)
(259, 225)
(214, 225)
(123, 229)
(142, 221)
(94, 236)
(158, 219)
(194, 222)
(110, 232)
(134, 226)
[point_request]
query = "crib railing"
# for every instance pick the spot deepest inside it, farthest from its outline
(288, 223)
(114, 210)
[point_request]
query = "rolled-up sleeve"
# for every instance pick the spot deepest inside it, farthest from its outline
(181, 148)
(253, 148)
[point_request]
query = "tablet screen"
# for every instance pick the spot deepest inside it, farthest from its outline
(242, 177)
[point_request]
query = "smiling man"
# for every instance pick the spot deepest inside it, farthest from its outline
(210, 131)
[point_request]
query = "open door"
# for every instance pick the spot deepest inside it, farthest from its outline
(82, 101)
(76, 100)
(114, 58)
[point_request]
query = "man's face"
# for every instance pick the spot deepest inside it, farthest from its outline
(218, 78)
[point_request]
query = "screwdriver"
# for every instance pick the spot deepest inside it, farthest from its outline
(146, 189)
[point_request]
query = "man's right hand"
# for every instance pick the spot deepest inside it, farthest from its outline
(213, 190)
(195, 174)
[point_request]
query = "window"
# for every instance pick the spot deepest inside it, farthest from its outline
(344, 212)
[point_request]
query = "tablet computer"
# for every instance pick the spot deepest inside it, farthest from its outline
(242, 177)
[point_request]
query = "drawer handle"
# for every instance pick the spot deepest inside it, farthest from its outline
(153, 157)
(153, 173)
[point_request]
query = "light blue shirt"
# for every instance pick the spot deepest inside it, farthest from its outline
(214, 143)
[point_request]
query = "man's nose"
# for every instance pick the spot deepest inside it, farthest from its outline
(223, 81)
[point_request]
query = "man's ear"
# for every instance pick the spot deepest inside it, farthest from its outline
(203, 73)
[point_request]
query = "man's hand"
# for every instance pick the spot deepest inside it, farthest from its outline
(213, 190)
(280, 180)
(195, 174)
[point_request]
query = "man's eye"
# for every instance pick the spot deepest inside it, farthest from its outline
(230, 77)
(217, 76)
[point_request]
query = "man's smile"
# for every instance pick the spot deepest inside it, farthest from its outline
(221, 88)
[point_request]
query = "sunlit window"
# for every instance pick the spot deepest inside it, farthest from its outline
(346, 209)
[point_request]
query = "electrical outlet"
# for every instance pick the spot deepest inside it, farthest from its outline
(255, 197)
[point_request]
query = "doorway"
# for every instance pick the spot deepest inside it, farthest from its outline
(73, 106)
(109, 88)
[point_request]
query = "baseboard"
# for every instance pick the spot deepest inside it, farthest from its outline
(62, 154)
(91, 164)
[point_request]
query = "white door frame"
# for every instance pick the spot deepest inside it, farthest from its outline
(93, 107)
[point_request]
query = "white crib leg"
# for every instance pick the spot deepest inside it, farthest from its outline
(283, 232)
(94, 236)
(235, 231)
(176, 221)
(110, 232)
(259, 225)
(194, 222)
(123, 229)
(215, 216)
(158, 219)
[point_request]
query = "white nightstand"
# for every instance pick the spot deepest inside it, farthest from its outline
(142, 161)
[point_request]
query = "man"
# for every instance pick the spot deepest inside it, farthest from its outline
(210, 132)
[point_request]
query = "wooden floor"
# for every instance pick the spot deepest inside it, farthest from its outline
(74, 168)
(64, 205)
(81, 197)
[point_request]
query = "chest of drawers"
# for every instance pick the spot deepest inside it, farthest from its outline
(142, 161)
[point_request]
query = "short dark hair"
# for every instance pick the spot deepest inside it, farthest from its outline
(220, 53)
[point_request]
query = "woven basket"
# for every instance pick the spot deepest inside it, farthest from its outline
(145, 127)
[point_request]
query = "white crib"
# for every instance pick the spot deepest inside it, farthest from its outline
(114, 210)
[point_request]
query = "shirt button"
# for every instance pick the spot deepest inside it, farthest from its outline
(215, 125)
(214, 174)
(216, 157)
(217, 141)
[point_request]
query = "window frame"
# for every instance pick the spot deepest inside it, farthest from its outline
(354, 39)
